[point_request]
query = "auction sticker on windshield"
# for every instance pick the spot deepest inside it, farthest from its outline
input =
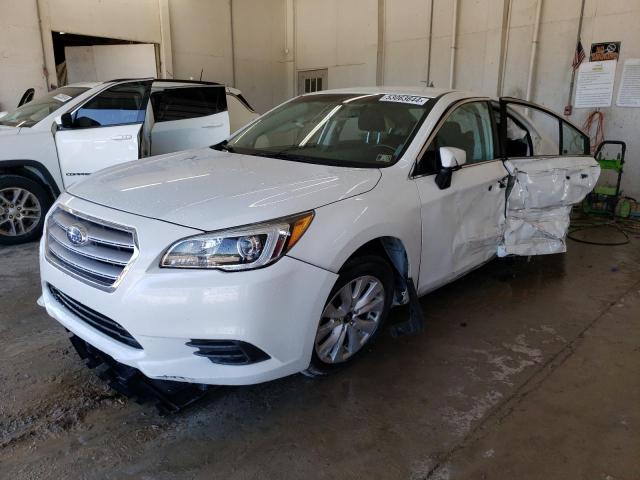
(412, 99)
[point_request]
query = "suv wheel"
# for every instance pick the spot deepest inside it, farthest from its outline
(357, 307)
(23, 205)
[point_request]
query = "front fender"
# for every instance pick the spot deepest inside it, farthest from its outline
(33, 169)
(33, 149)
(339, 229)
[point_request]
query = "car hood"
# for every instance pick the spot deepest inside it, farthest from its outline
(7, 130)
(209, 190)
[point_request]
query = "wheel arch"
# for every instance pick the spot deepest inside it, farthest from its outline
(33, 170)
(393, 250)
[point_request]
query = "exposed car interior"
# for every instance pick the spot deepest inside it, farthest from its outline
(465, 133)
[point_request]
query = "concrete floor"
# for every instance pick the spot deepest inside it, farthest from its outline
(527, 370)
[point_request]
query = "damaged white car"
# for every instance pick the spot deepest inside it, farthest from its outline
(283, 249)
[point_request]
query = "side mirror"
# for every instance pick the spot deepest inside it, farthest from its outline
(451, 158)
(66, 120)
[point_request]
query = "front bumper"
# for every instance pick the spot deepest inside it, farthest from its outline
(276, 308)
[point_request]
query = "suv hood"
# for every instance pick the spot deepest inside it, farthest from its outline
(210, 190)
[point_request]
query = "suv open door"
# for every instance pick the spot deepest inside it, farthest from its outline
(187, 115)
(105, 130)
(550, 169)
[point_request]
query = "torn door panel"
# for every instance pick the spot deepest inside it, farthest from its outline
(539, 202)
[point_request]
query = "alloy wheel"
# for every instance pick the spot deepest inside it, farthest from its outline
(20, 211)
(350, 319)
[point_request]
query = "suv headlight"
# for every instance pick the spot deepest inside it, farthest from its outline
(242, 248)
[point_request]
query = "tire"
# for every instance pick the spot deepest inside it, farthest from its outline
(23, 206)
(355, 331)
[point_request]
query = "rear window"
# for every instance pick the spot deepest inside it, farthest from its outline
(187, 102)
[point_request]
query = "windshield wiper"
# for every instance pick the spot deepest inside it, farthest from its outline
(223, 146)
(284, 153)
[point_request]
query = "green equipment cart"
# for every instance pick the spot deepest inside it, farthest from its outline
(606, 198)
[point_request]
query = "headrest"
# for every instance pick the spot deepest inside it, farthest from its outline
(371, 119)
(450, 134)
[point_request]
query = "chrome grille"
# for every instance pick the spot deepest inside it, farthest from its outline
(92, 250)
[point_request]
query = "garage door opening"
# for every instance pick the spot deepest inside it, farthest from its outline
(83, 58)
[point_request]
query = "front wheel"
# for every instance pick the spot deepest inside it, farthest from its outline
(23, 205)
(357, 307)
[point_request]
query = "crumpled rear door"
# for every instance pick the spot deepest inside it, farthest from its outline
(540, 196)
(543, 187)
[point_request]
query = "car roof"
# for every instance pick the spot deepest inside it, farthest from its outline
(166, 83)
(165, 80)
(429, 92)
(83, 84)
(160, 85)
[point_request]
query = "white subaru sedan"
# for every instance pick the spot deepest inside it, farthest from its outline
(282, 249)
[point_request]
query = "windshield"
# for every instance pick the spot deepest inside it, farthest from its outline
(31, 113)
(335, 129)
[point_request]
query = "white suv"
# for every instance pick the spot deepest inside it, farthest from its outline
(49, 143)
(283, 249)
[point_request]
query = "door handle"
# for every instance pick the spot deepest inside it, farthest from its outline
(212, 125)
(122, 137)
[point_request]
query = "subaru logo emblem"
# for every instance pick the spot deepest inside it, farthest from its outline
(77, 235)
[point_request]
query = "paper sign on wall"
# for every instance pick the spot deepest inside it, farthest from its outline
(595, 84)
(629, 91)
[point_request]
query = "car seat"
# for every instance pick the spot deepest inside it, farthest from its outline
(451, 135)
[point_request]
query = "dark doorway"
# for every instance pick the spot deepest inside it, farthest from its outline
(62, 40)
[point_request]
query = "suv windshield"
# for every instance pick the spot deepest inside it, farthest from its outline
(335, 129)
(31, 113)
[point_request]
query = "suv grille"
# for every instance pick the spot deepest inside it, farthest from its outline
(94, 319)
(90, 249)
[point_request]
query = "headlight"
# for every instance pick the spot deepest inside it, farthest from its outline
(242, 248)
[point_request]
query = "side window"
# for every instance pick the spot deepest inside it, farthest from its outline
(543, 130)
(118, 105)
(574, 142)
(518, 140)
(188, 102)
(468, 127)
(547, 134)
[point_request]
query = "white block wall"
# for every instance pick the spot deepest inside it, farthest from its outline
(201, 39)
(21, 61)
